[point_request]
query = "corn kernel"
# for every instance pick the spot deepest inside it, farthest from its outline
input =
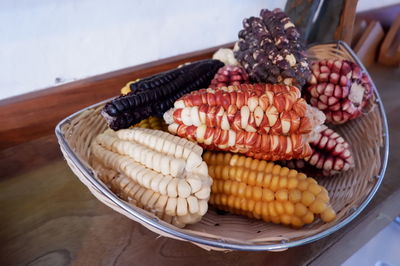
(289, 207)
(303, 185)
(315, 189)
(294, 195)
(297, 222)
(274, 183)
(279, 207)
(308, 218)
(267, 180)
(234, 160)
(261, 165)
(268, 168)
(240, 161)
(254, 164)
(286, 219)
(318, 206)
(225, 172)
(282, 195)
(247, 162)
(257, 193)
(267, 195)
(276, 170)
(300, 210)
(241, 190)
(328, 215)
(307, 198)
(283, 182)
(292, 183)
(292, 173)
(301, 176)
(284, 171)
(275, 219)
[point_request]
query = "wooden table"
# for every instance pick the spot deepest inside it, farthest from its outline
(49, 218)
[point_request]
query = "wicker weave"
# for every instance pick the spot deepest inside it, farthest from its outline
(347, 190)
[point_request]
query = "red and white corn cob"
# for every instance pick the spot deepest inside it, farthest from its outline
(330, 153)
(339, 88)
(263, 121)
(229, 75)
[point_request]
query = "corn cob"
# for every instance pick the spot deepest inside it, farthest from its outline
(263, 190)
(330, 153)
(153, 122)
(263, 121)
(155, 170)
(154, 95)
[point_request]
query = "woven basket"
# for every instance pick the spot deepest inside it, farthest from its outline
(350, 192)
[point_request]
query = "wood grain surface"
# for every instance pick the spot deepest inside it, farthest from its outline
(50, 218)
(33, 115)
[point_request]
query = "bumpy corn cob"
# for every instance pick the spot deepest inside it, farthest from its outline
(264, 121)
(263, 190)
(153, 122)
(330, 153)
(155, 170)
(154, 95)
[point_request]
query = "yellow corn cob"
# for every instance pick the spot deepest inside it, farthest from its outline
(156, 171)
(153, 122)
(267, 191)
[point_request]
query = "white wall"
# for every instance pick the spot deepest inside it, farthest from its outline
(45, 40)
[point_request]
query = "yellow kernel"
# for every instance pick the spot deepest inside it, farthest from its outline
(301, 176)
(276, 170)
(282, 195)
(292, 173)
(289, 207)
(224, 200)
(318, 206)
(307, 198)
(249, 192)
(217, 199)
(275, 219)
(259, 178)
(206, 157)
(231, 201)
(214, 187)
(243, 204)
(264, 209)
(315, 189)
(296, 222)
(292, 183)
(322, 196)
(240, 161)
(250, 205)
(227, 186)
(241, 190)
(284, 171)
(268, 168)
(252, 178)
(257, 209)
(220, 185)
(225, 172)
(267, 180)
(311, 180)
(283, 182)
(303, 185)
(234, 160)
(218, 171)
(300, 210)
(294, 195)
(237, 203)
(239, 173)
(227, 158)
(279, 207)
(274, 183)
(267, 195)
(234, 187)
(271, 209)
(211, 171)
(247, 162)
(212, 158)
(257, 193)
(308, 218)
(220, 158)
(254, 164)
(328, 215)
(245, 175)
(324, 190)
(286, 219)
(232, 172)
(261, 165)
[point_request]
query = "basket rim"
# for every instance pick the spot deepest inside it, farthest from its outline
(154, 222)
